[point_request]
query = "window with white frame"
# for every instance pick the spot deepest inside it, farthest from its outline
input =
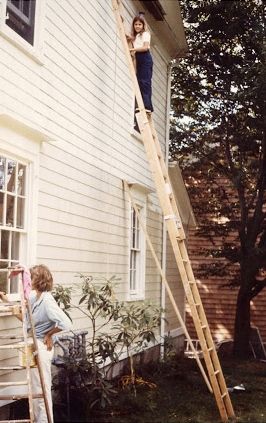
(20, 16)
(22, 24)
(137, 255)
(13, 196)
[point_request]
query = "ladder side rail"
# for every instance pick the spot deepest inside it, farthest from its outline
(116, 8)
(210, 346)
(166, 205)
(155, 166)
(168, 289)
(166, 176)
(174, 235)
(26, 347)
(171, 227)
(39, 365)
(196, 313)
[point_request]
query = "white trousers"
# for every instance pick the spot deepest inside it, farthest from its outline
(45, 358)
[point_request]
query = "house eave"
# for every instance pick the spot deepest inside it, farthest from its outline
(166, 21)
(181, 196)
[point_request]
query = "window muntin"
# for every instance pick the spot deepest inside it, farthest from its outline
(12, 214)
(21, 18)
(137, 255)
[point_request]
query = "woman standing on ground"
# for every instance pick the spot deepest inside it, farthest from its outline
(141, 39)
(48, 319)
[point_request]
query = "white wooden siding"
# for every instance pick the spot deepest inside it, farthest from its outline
(81, 97)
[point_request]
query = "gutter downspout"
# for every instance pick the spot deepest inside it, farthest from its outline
(164, 234)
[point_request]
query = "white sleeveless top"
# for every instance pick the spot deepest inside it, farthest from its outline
(140, 39)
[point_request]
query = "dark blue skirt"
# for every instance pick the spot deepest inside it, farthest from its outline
(144, 65)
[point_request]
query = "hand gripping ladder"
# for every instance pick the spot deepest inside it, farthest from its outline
(29, 351)
(176, 234)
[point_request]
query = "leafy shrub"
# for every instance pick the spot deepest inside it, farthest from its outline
(116, 328)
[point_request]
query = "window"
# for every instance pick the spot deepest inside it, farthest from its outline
(12, 215)
(137, 256)
(20, 16)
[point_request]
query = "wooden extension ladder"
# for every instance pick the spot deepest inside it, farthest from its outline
(176, 233)
(29, 350)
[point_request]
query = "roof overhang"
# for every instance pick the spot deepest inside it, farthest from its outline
(164, 18)
(181, 196)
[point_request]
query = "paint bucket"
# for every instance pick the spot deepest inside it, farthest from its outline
(30, 353)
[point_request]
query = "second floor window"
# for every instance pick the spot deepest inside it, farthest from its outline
(12, 216)
(21, 18)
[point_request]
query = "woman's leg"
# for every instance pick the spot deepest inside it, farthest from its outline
(45, 358)
(144, 76)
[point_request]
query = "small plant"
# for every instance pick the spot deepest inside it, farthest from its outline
(115, 328)
(62, 296)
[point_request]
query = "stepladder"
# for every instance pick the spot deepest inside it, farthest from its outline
(20, 352)
(176, 232)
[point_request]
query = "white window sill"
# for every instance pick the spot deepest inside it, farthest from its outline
(31, 51)
(134, 298)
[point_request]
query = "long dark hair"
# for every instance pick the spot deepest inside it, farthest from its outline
(140, 19)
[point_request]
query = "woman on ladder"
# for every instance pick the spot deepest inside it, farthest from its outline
(141, 38)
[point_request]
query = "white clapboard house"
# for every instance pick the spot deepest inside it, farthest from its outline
(67, 141)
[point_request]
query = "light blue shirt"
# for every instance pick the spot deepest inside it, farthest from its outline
(47, 314)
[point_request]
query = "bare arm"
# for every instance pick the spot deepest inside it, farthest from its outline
(4, 298)
(48, 340)
(143, 49)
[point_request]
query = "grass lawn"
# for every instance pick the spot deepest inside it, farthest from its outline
(181, 395)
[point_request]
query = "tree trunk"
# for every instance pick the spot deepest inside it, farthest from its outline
(242, 325)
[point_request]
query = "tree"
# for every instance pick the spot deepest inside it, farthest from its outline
(218, 137)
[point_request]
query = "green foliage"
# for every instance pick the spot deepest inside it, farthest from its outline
(62, 296)
(114, 327)
(218, 131)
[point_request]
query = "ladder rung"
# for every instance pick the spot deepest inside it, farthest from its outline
(224, 394)
(15, 421)
(11, 336)
(12, 346)
(197, 304)
(216, 372)
(210, 349)
(11, 368)
(191, 282)
(185, 260)
(10, 383)
(18, 397)
(204, 327)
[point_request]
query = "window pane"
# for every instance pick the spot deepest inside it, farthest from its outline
(3, 279)
(10, 208)
(11, 176)
(1, 208)
(20, 212)
(15, 3)
(14, 247)
(21, 179)
(4, 246)
(133, 259)
(26, 7)
(137, 238)
(21, 18)
(2, 173)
